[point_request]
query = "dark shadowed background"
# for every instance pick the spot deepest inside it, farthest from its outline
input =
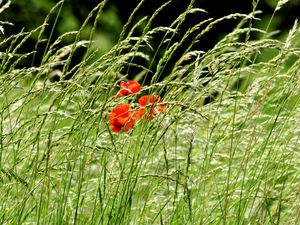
(29, 14)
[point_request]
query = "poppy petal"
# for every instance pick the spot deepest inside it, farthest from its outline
(120, 118)
(128, 88)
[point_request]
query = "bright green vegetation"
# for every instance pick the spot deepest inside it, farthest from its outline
(234, 160)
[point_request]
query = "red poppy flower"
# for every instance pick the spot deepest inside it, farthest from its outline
(128, 88)
(155, 106)
(121, 118)
(139, 113)
(148, 99)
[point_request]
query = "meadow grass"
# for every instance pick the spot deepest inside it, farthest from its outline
(232, 160)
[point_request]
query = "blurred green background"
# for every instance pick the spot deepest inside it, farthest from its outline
(29, 14)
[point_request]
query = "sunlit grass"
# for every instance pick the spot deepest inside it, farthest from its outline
(232, 160)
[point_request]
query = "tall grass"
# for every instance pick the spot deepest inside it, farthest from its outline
(232, 160)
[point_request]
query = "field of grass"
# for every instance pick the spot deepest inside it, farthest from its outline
(232, 160)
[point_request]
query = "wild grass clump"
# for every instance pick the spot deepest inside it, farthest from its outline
(225, 152)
